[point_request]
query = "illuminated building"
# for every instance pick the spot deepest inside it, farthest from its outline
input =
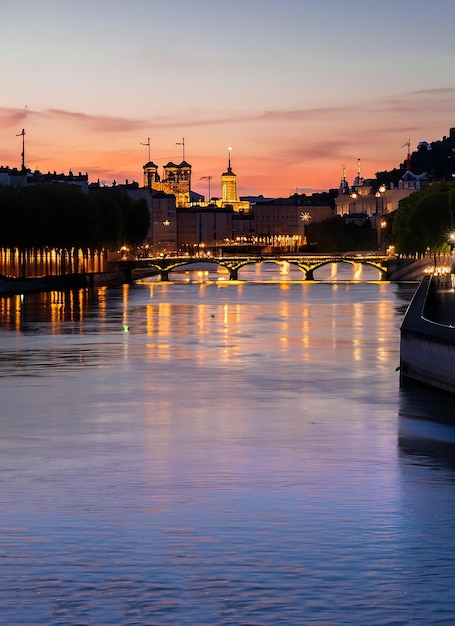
(176, 180)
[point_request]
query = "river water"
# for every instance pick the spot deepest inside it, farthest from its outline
(206, 452)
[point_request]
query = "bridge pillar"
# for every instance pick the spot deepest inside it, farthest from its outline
(126, 275)
(309, 275)
(233, 273)
(164, 276)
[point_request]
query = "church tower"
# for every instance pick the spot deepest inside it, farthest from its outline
(229, 184)
(151, 175)
(177, 181)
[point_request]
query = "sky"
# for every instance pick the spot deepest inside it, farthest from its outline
(296, 88)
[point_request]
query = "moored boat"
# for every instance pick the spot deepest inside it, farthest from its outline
(427, 343)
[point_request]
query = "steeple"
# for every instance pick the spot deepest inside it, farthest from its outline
(229, 183)
(343, 182)
(358, 181)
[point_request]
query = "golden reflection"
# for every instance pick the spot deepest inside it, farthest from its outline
(226, 318)
(306, 338)
(102, 301)
(150, 319)
(57, 308)
(284, 313)
(284, 268)
(357, 350)
(126, 327)
(358, 270)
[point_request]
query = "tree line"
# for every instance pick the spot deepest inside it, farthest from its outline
(62, 216)
(425, 220)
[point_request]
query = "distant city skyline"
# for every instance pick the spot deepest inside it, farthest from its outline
(297, 89)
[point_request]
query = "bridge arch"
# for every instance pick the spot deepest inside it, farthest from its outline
(163, 267)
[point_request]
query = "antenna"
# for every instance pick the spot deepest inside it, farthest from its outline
(182, 143)
(147, 144)
(229, 157)
(408, 158)
(22, 134)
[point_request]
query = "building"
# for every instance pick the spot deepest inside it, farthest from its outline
(201, 227)
(12, 177)
(176, 180)
(365, 197)
(281, 222)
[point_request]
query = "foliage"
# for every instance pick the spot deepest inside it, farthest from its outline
(335, 235)
(424, 219)
(62, 216)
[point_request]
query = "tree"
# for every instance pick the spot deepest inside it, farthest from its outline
(62, 216)
(424, 219)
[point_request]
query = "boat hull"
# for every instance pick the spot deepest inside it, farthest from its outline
(427, 348)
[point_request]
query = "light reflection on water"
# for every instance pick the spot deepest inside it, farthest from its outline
(219, 454)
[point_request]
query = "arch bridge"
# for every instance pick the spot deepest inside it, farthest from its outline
(163, 266)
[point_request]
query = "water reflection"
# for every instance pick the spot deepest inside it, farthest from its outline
(34, 262)
(230, 458)
(426, 427)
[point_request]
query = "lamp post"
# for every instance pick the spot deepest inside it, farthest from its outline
(209, 178)
(353, 196)
(305, 218)
(382, 191)
(383, 225)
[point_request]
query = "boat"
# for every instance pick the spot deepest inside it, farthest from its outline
(427, 337)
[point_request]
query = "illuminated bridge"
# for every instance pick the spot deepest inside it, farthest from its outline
(131, 269)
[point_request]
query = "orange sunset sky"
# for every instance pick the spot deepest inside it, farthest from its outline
(296, 88)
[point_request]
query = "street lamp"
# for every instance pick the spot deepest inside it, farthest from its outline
(380, 194)
(305, 218)
(353, 196)
(383, 225)
(451, 239)
(209, 178)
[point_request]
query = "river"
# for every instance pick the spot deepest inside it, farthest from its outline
(206, 452)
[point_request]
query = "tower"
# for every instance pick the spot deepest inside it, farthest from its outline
(177, 181)
(151, 176)
(229, 184)
(344, 187)
(358, 180)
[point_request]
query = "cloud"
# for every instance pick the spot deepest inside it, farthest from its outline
(437, 91)
(99, 123)
(239, 117)
(13, 117)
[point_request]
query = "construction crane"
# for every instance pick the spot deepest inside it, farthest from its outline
(408, 158)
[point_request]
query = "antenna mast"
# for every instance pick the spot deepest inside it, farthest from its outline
(22, 134)
(147, 144)
(182, 143)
